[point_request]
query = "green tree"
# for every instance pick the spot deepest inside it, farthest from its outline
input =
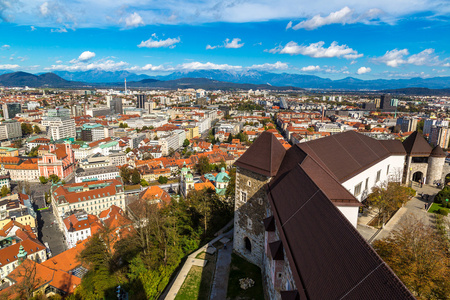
(18, 143)
(144, 182)
(203, 165)
(420, 126)
(37, 129)
(162, 179)
(27, 129)
(230, 139)
(387, 198)
(419, 256)
(186, 143)
(43, 180)
(33, 152)
(5, 191)
(136, 177)
(54, 178)
(123, 125)
(125, 173)
(127, 150)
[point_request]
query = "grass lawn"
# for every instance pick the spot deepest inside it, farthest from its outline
(435, 206)
(197, 284)
(240, 268)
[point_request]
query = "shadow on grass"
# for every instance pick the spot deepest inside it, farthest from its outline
(198, 282)
(240, 268)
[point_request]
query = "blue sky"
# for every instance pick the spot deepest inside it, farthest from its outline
(335, 39)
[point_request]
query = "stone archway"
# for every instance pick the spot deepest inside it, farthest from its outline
(417, 176)
(447, 179)
(248, 244)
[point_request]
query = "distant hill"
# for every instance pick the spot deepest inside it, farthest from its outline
(420, 92)
(99, 76)
(22, 79)
(217, 79)
(204, 83)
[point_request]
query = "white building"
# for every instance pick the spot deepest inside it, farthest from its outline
(78, 227)
(10, 129)
(104, 173)
(59, 124)
(92, 197)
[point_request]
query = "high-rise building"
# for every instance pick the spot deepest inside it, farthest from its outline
(140, 100)
(59, 124)
(439, 135)
(76, 110)
(10, 110)
(407, 124)
(10, 129)
(428, 123)
(115, 104)
(386, 103)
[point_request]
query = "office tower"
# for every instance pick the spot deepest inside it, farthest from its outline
(59, 124)
(115, 104)
(140, 100)
(385, 103)
(10, 110)
(439, 135)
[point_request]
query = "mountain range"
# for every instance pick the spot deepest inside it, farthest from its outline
(220, 79)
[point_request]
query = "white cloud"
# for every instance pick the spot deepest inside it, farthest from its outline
(6, 47)
(233, 44)
(86, 55)
(44, 9)
(270, 67)
(59, 30)
(33, 28)
(363, 70)
(289, 25)
(153, 43)
(310, 69)
(342, 16)
(317, 50)
(446, 65)
(395, 58)
(134, 20)
(339, 17)
(207, 66)
(229, 44)
(103, 64)
(9, 67)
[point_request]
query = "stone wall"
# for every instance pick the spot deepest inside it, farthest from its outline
(249, 213)
(435, 168)
(277, 275)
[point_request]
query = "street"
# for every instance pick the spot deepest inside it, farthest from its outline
(49, 232)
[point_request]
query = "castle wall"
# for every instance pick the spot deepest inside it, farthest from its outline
(249, 213)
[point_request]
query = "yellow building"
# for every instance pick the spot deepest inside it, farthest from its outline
(9, 152)
(192, 132)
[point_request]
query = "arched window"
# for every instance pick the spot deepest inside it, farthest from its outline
(248, 244)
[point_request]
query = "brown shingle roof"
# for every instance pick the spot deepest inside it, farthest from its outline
(438, 152)
(323, 247)
(394, 146)
(264, 156)
(345, 154)
(416, 145)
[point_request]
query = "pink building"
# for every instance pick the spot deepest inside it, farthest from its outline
(59, 160)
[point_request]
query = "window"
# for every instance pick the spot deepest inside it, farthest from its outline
(243, 196)
(366, 187)
(357, 189)
(378, 176)
(249, 223)
(249, 183)
(387, 171)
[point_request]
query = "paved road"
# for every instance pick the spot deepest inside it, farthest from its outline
(414, 207)
(220, 282)
(49, 232)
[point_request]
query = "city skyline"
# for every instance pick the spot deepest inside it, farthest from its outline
(372, 40)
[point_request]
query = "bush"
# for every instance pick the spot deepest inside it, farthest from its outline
(442, 195)
(442, 211)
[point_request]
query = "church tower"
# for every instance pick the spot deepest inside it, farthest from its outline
(255, 168)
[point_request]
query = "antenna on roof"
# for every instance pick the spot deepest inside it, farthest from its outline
(125, 87)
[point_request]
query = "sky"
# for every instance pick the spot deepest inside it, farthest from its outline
(333, 39)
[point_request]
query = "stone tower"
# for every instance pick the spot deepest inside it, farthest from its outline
(436, 163)
(255, 168)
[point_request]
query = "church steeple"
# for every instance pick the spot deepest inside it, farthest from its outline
(22, 254)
